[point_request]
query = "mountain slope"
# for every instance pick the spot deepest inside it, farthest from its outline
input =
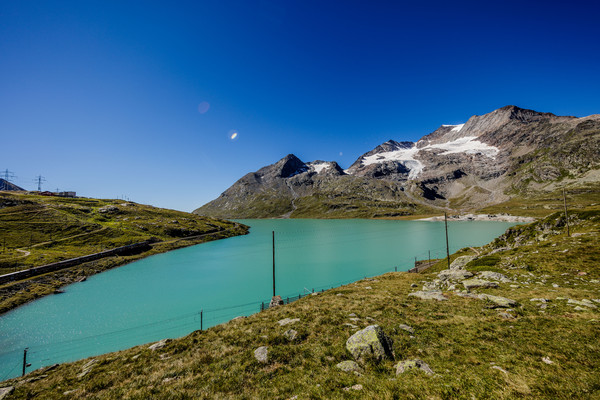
(7, 186)
(487, 160)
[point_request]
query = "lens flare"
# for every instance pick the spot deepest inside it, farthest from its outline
(233, 134)
(203, 107)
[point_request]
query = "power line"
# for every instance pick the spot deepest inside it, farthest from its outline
(8, 175)
(39, 179)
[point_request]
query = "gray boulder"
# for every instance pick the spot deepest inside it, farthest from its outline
(461, 261)
(475, 283)
(261, 354)
(454, 274)
(429, 295)
(406, 365)
(370, 342)
(498, 301)
(494, 276)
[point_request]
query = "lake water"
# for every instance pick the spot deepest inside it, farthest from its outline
(162, 296)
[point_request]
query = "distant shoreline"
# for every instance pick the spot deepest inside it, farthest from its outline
(481, 217)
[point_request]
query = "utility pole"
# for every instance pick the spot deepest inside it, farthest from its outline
(39, 179)
(447, 247)
(566, 214)
(273, 263)
(25, 365)
(8, 175)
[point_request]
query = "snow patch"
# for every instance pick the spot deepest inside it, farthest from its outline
(320, 167)
(455, 128)
(403, 156)
(467, 144)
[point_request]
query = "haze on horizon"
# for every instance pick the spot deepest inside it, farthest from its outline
(170, 104)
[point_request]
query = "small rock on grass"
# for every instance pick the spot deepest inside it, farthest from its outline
(494, 276)
(406, 365)
(160, 344)
(261, 354)
(354, 387)
(6, 391)
(407, 328)
(429, 295)
(547, 360)
(349, 366)
(286, 321)
(475, 283)
(290, 334)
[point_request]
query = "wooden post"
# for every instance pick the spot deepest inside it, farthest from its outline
(201, 320)
(273, 263)
(447, 247)
(396, 269)
(566, 214)
(24, 360)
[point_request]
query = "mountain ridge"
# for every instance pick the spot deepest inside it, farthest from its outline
(484, 161)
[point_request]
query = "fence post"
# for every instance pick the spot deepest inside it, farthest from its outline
(201, 320)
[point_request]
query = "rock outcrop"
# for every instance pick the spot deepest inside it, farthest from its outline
(370, 343)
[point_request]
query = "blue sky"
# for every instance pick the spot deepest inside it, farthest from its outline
(140, 98)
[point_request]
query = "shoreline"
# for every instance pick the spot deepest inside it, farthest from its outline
(481, 217)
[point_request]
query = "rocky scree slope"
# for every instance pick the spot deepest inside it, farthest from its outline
(487, 160)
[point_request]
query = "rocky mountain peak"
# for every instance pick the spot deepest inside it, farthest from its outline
(288, 166)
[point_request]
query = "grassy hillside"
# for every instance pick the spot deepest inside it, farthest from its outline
(544, 346)
(37, 230)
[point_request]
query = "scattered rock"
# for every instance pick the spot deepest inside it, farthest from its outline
(290, 334)
(475, 283)
(584, 302)
(354, 387)
(500, 369)
(555, 285)
(406, 365)
(108, 209)
(407, 328)
(494, 276)
(506, 315)
(368, 287)
(454, 274)
(547, 360)
(6, 391)
(286, 321)
(370, 342)
(460, 262)
(159, 345)
(540, 300)
(351, 325)
(70, 392)
(429, 295)
(276, 301)
(498, 301)
(580, 309)
(261, 354)
(414, 285)
(352, 315)
(349, 366)
(87, 368)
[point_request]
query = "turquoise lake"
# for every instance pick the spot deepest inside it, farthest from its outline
(162, 296)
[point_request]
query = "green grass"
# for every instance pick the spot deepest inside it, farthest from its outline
(473, 351)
